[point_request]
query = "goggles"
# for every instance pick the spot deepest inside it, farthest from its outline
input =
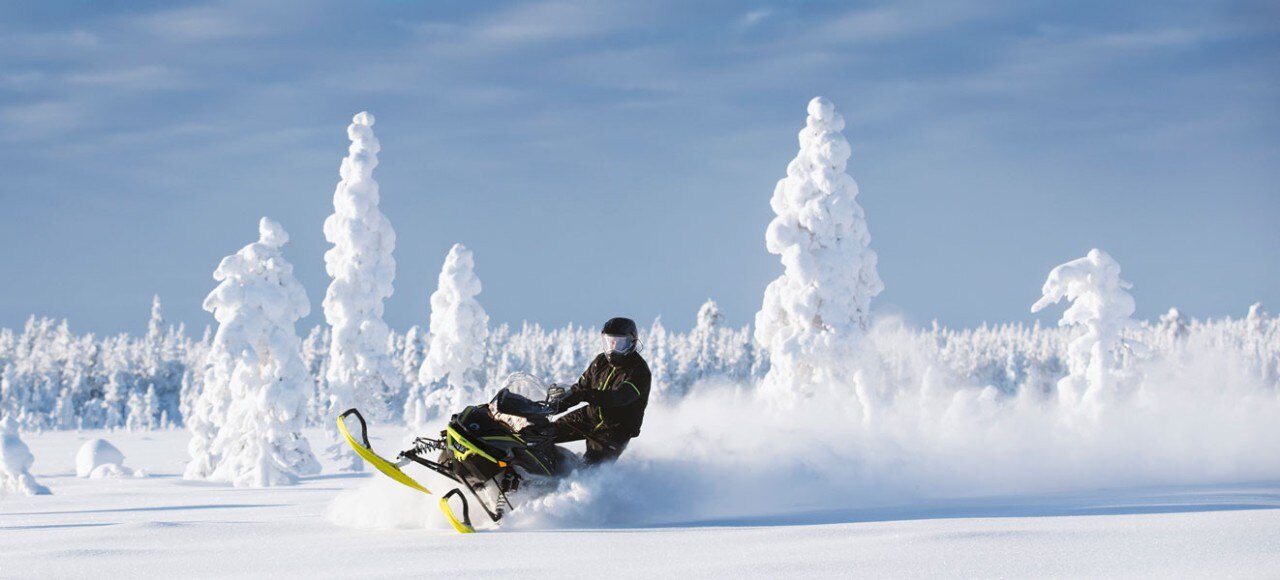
(619, 344)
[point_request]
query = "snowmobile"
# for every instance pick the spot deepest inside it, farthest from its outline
(487, 452)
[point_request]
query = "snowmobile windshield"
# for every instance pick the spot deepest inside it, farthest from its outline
(525, 384)
(618, 344)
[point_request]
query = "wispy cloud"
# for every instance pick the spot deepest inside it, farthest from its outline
(755, 17)
(49, 42)
(900, 21)
(32, 120)
(200, 24)
(139, 77)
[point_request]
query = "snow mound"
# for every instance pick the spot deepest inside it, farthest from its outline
(15, 463)
(98, 459)
(114, 471)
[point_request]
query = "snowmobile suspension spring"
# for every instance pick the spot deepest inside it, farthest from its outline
(422, 446)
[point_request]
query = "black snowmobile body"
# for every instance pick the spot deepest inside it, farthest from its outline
(505, 442)
(489, 450)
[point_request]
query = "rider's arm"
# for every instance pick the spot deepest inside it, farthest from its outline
(625, 393)
(578, 390)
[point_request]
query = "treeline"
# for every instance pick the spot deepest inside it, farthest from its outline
(55, 379)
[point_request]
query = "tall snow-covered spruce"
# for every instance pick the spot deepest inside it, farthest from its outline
(452, 373)
(815, 313)
(247, 423)
(360, 371)
(1101, 304)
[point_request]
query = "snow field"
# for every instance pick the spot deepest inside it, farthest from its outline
(164, 527)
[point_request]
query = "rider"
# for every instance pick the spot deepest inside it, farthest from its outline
(615, 387)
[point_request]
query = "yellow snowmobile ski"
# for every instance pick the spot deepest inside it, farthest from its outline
(366, 452)
(464, 526)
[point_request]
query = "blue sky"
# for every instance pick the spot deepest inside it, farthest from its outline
(606, 158)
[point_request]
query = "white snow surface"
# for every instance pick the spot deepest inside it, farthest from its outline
(97, 453)
(813, 314)
(452, 373)
(362, 268)
(165, 527)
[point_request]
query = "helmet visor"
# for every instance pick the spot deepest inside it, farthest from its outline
(618, 344)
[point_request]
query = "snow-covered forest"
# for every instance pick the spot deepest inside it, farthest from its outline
(54, 378)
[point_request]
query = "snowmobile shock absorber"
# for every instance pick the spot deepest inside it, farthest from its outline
(423, 446)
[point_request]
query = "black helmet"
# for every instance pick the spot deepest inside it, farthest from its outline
(620, 339)
(620, 327)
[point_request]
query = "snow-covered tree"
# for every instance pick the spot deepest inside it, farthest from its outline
(453, 371)
(162, 366)
(815, 313)
(1256, 317)
(64, 410)
(1101, 304)
(363, 269)
(136, 410)
(1173, 324)
(153, 342)
(247, 424)
(658, 343)
(144, 410)
(315, 354)
(710, 322)
(412, 354)
(9, 390)
(15, 462)
(113, 401)
(695, 354)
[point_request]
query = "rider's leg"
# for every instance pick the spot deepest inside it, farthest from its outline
(574, 426)
(600, 450)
